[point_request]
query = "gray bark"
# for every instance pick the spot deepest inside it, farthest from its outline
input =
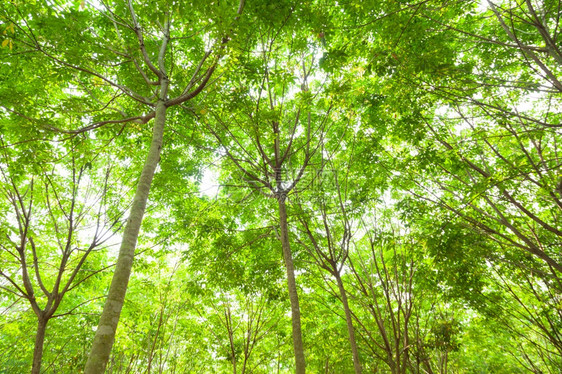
(300, 364)
(350, 329)
(105, 334)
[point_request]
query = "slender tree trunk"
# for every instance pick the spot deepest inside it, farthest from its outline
(232, 350)
(246, 358)
(350, 329)
(39, 341)
(155, 340)
(300, 364)
(107, 327)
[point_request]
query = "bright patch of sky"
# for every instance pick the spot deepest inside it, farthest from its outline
(482, 5)
(209, 183)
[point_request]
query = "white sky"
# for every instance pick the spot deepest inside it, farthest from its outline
(209, 183)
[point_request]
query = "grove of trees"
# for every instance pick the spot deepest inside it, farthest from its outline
(254, 186)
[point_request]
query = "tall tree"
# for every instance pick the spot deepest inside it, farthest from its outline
(271, 134)
(328, 238)
(129, 49)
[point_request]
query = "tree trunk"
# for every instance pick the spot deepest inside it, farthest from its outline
(232, 348)
(105, 334)
(300, 364)
(350, 329)
(39, 341)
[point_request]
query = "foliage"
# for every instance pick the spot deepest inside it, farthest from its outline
(394, 165)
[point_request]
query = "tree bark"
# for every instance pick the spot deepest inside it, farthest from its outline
(300, 364)
(39, 341)
(349, 321)
(105, 333)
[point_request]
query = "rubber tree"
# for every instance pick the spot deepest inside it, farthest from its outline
(505, 183)
(134, 61)
(59, 222)
(391, 303)
(239, 323)
(105, 334)
(508, 164)
(328, 241)
(480, 121)
(271, 137)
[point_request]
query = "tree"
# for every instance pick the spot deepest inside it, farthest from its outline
(143, 43)
(489, 125)
(55, 221)
(482, 142)
(328, 241)
(272, 135)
